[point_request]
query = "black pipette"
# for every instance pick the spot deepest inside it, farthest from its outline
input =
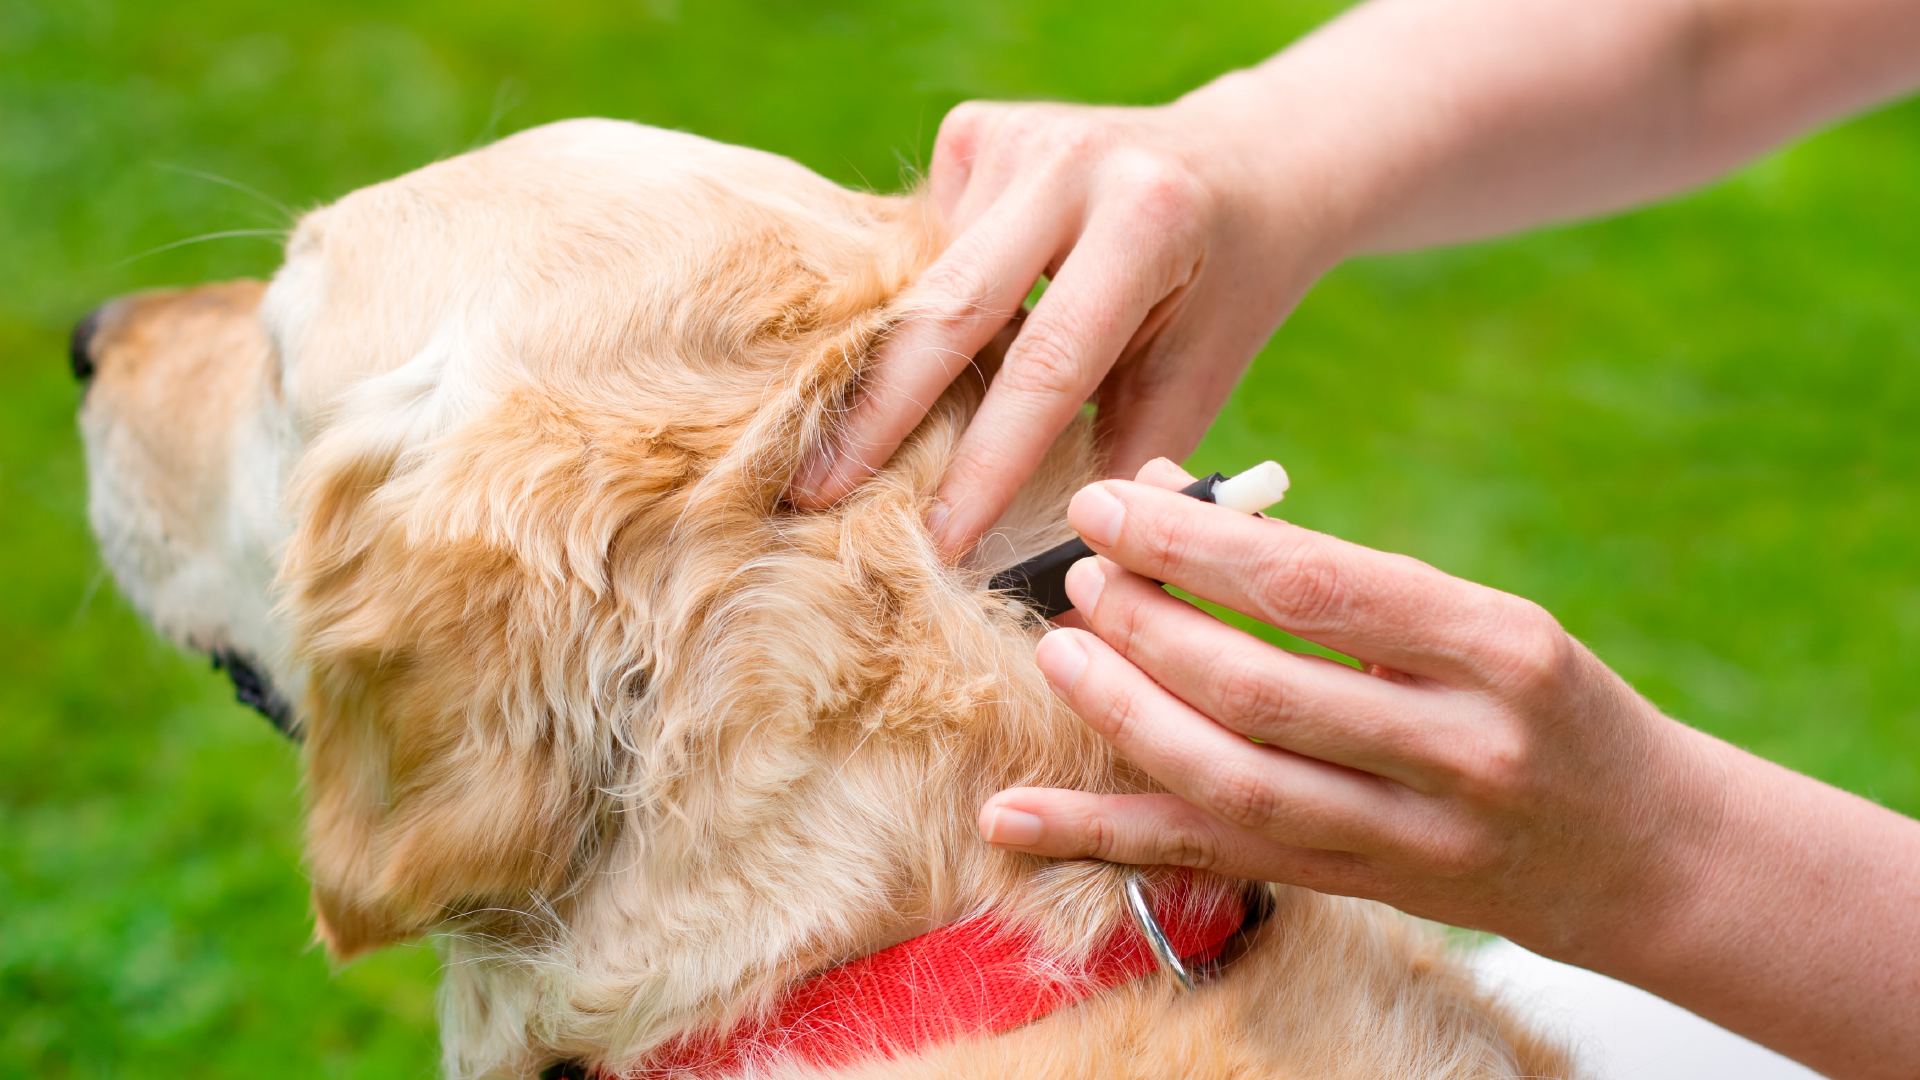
(1041, 582)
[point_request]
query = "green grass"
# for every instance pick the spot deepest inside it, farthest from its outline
(1690, 432)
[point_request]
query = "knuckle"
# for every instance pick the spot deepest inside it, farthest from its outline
(1053, 143)
(1238, 795)
(1245, 690)
(959, 130)
(1071, 134)
(1302, 584)
(1004, 132)
(950, 290)
(1037, 135)
(1160, 542)
(1495, 769)
(1041, 362)
(1180, 843)
(1122, 715)
(1122, 621)
(965, 117)
(1102, 839)
(1533, 655)
(1163, 193)
(1459, 852)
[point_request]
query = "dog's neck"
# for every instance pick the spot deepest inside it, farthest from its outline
(878, 699)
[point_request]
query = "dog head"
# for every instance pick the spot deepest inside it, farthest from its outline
(186, 466)
(488, 485)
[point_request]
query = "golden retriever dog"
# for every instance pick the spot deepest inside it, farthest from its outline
(482, 496)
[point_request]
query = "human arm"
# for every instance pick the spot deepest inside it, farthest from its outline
(1486, 770)
(1178, 237)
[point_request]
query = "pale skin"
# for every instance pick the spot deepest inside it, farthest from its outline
(1482, 768)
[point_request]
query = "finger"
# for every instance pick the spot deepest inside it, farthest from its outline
(1380, 608)
(1162, 473)
(1155, 830)
(951, 313)
(1090, 311)
(1071, 620)
(1172, 382)
(957, 190)
(1279, 794)
(986, 362)
(1306, 704)
(1150, 407)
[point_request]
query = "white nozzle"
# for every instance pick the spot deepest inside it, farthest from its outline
(1253, 490)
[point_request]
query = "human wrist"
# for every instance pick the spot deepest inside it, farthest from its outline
(1791, 922)
(1274, 179)
(1669, 902)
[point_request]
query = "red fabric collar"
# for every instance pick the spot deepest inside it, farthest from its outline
(971, 978)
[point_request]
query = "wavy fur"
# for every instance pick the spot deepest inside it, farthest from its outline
(642, 743)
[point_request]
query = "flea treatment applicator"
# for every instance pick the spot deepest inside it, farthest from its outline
(1041, 582)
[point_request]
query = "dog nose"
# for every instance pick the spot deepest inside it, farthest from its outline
(80, 350)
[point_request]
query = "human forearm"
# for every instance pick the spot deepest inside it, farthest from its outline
(1800, 926)
(1177, 238)
(1428, 121)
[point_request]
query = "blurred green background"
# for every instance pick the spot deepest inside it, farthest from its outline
(1690, 432)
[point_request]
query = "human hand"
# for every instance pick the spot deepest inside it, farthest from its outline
(1485, 769)
(1176, 238)
(1169, 267)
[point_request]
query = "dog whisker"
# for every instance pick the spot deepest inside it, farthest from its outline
(224, 234)
(287, 213)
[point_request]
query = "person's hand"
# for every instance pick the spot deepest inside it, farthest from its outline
(1176, 238)
(1484, 769)
(1168, 270)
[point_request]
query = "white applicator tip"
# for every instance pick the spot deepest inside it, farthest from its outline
(1254, 489)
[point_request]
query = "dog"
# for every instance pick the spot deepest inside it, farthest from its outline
(482, 499)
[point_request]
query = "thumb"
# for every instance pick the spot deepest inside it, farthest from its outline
(1163, 473)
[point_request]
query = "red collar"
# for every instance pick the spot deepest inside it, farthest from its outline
(971, 978)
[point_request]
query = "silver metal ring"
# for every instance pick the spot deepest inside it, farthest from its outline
(1156, 937)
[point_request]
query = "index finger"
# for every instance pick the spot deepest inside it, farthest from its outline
(1093, 308)
(1376, 607)
(951, 312)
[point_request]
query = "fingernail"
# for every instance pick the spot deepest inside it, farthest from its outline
(1061, 659)
(1006, 825)
(1085, 579)
(815, 471)
(847, 473)
(937, 522)
(1096, 515)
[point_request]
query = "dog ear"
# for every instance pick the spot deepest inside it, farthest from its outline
(478, 545)
(466, 657)
(420, 812)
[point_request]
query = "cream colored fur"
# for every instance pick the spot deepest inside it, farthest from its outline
(583, 696)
